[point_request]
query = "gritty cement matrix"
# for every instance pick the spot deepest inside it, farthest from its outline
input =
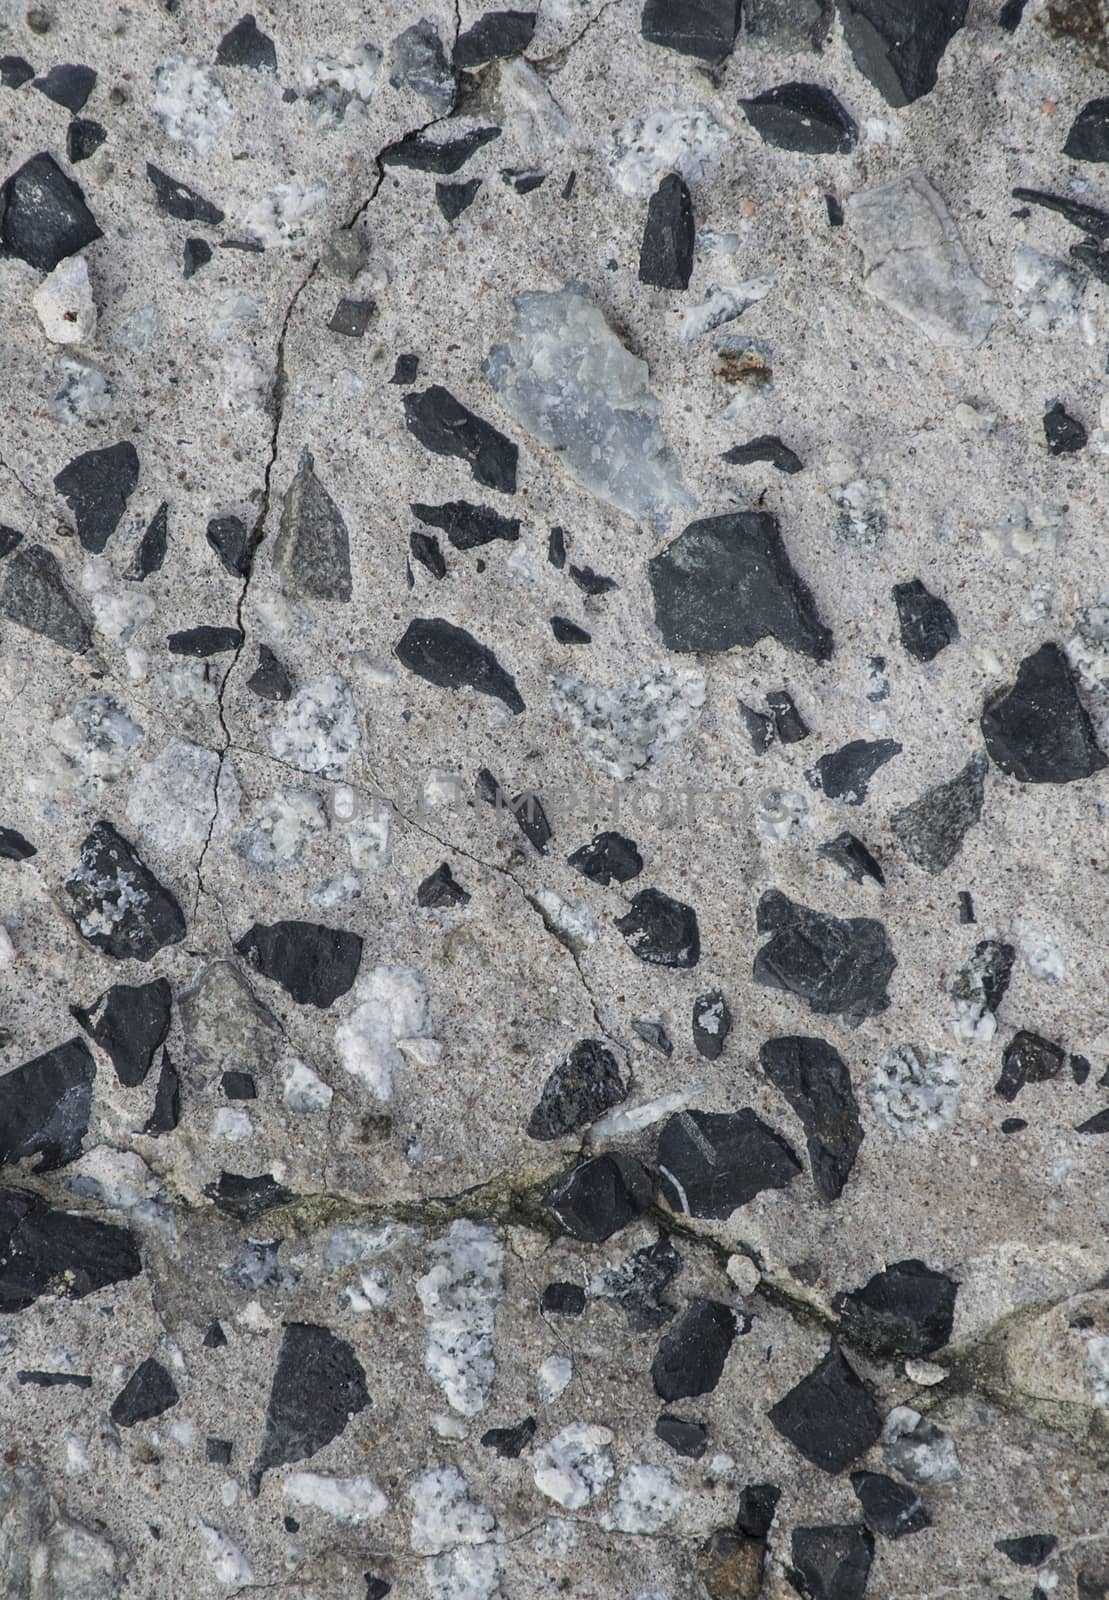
(554, 787)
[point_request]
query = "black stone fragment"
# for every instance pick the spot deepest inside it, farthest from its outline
(580, 1089)
(238, 1086)
(14, 847)
(130, 1023)
(466, 525)
(789, 725)
(804, 117)
(767, 447)
(1029, 1550)
(666, 254)
(9, 538)
(510, 1443)
(1094, 259)
(830, 1416)
(153, 545)
(835, 211)
(488, 789)
(654, 1034)
(528, 810)
(832, 1561)
(83, 139)
(691, 1357)
(97, 486)
(229, 538)
(712, 1023)
(1080, 1069)
(15, 72)
(556, 548)
(661, 930)
(204, 641)
(406, 369)
(43, 215)
(1098, 1123)
(567, 632)
(245, 45)
(59, 1253)
(445, 426)
(118, 904)
(176, 199)
(638, 1284)
(55, 1380)
(907, 1309)
(247, 1198)
(815, 1080)
(318, 1385)
(590, 582)
(728, 581)
(147, 1393)
(313, 964)
(606, 857)
(711, 1162)
(440, 889)
(850, 853)
(214, 1337)
(425, 155)
(836, 964)
(690, 1439)
(1091, 219)
(351, 318)
(269, 680)
(755, 1513)
(899, 44)
(845, 774)
(598, 1198)
(760, 728)
(1088, 139)
(45, 1106)
(451, 658)
(376, 1588)
(927, 623)
(931, 831)
(1027, 1058)
(1039, 731)
(455, 198)
(1010, 15)
(217, 1452)
(1013, 1124)
(312, 549)
(166, 1111)
(563, 1300)
(198, 253)
(702, 28)
(67, 85)
(493, 37)
(1064, 433)
(523, 180)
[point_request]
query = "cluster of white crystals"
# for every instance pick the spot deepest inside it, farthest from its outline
(460, 1295)
(632, 725)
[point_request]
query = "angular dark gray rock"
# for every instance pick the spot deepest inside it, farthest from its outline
(451, 658)
(691, 1357)
(829, 1416)
(654, 1034)
(439, 888)
(562, 1300)
(907, 1309)
(318, 1386)
(593, 1201)
(119, 906)
(510, 1443)
(492, 37)
(760, 727)
(852, 855)
(429, 155)
(802, 117)
(420, 63)
(702, 28)
(590, 582)
(15, 72)
(1038, 731)
(68, 84)
(790, 726)
(455, 198)
(1091, 219)
(426, 550)
(165, 1113)
(313, 964)
(351, 318)
(446, 427)
(584, 1085)
(712, 1162)
(97, 486)
(130, 1023)
(43, 215)
(712, 1023)
(666, 253)
(814, 1079)
(1028, 1058)
(63, 1254)
(889, 1508)
(766, 447)
(926, 623)
(608, 857)
(83, 139)
(230, 539)
(311, 552)
(246, 1198)
(1098, 1123)
(196, 254)
(689, 1439)
(661, 930)
(176, 199)
(270, 680)
(567, 632)
(204, 641)
(245, 45)
(147, 1393)
(831, 1561)
(845, 774)
(151, 553)
(14, 847)
(45, 1106)
(1063, 433)
(1027, 1549)
(787, 26)
(899, 44)
(638, 1285)
(931, 831)
(728, 581)
(837, 964)
(1088, 139)
(466, 525)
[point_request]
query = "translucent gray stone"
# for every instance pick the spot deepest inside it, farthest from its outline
(312, 548)
(565, 377)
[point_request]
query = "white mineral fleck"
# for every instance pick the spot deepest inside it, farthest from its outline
(347, 1244)
(7, 948)
(444, 1426)
(242, 379)
(84, 396)
(916, 1089)
(231, 1124)
(743, 1273)
(342, 800)
(346, 1499)
(338, 891)
(646, 1499)
(565, 376)
(369, 839)
(319, 730)
(781, 814)
(459, 1296)
(924, 1373)
(631, 1119)
(173, 800)
(442, 789)
(190, 104)
(918, 1450)
(118, 611)
(285, 214)
(632, 725)
(554, 1376)
(1097, 1363)
(225, 1558)
(278, 836)
(467, 1573)
(723, 305)
(392, 1005)
(575, 1466)
(305, 1090)
(1025, 529)
(571, 919)
(685, 141)
(1050, 290)
(443, 1514)
(337, 83)
(539, 125)
(76, 1455)
(371, 1292)
(64, 305)
(1043, 956)
(860, 520)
